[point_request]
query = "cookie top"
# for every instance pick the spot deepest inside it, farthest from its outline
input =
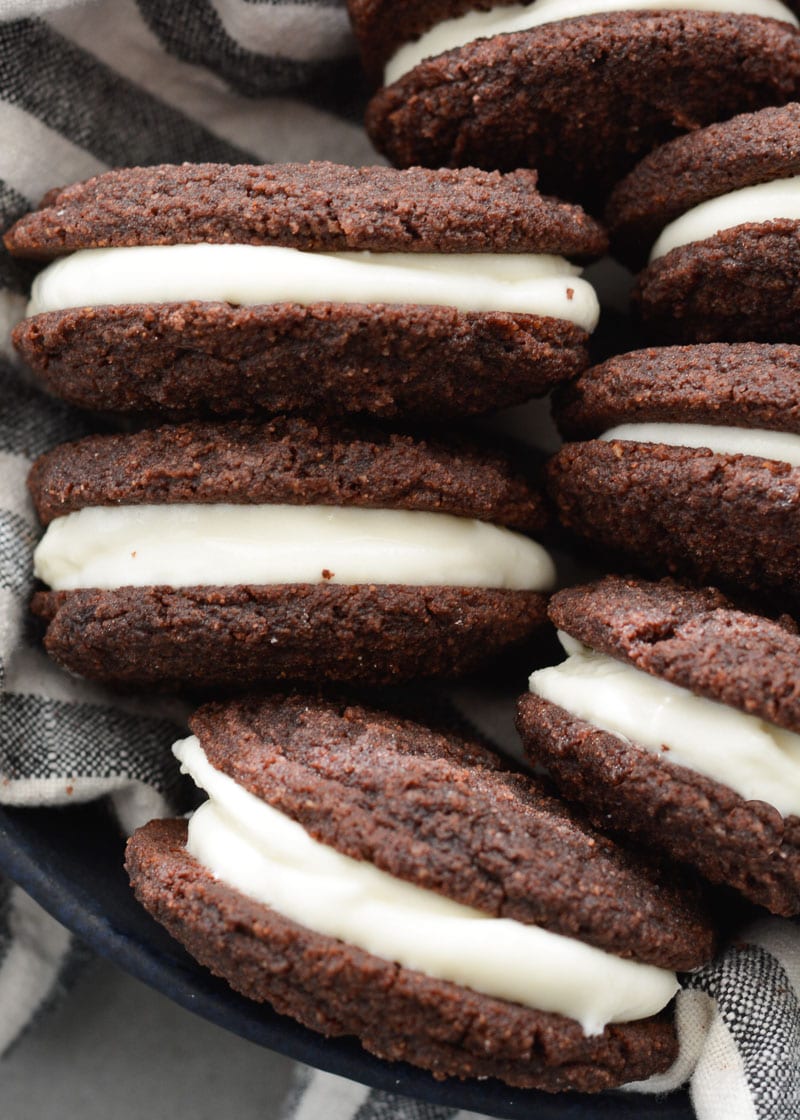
(441, 811)
(287, 460)
(696, 639)
(748, 149)
(316, 206)
(745, 384)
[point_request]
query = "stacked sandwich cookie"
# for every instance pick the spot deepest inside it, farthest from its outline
(226, 289)
(714, 218)
(579, 89)
(370, 876)
(231, 554)
(687, 460)
(676, 719)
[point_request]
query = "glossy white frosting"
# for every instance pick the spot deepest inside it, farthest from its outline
(252, 847)
(764, 202)
(781, 446)
(187, 545)
(755, 758)
(250, 275)
(457, 32)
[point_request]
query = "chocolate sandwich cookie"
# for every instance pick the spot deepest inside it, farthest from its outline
(713, 221)
(579, 89)
(224, 289)
(411, 890)
(225, 554)
(688, 461)
(676, 719)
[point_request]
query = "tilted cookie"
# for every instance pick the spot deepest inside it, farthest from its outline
(676, 719)
(233, 553)
(579, 89)
(225, 289)
(370, 876)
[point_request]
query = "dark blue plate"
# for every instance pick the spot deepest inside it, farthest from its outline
(70, 861)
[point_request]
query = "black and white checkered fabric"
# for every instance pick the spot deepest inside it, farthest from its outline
(85, 86)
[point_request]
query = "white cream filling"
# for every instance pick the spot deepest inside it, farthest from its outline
(457, 32)
(755, 758)
(269, 857)
(783, 447)
(249, 275)
(187, 545)
(764, 202)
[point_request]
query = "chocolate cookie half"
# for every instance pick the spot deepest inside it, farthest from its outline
(225, 289)
(676, 718)
(225, 554)
(579, 89)
(689, 462)
(715, 217)
(412, 891)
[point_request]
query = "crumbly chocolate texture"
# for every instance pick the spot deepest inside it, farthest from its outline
(238, 637)
(328, 358)
(751, 148)
(751, 385)
(740, 285)
(316, 206)
(743, 844)
(289, 460)
(584, 99)
(696, 639)
(485, 836)
(397, 1013)
(676, 510)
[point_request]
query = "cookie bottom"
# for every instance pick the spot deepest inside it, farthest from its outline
(740, 285)
(744, 844)
(397, 1013)
(195, 358)
(716, 518)
(240, 636)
